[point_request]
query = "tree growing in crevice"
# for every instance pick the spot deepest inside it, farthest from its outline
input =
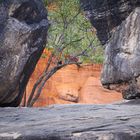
(70, 41)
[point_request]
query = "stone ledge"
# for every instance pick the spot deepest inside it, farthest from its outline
(72, 122)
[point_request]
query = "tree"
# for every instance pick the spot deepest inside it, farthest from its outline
(70, 41)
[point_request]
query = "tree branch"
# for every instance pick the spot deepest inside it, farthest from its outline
(40, 79)
(47, 76)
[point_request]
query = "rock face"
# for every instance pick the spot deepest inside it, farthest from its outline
(73, 85)
(72, 122)
(23, 31)
(122, 63)
(117, 24)
(94, 93)
(105, 15)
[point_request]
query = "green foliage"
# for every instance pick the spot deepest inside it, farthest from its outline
(71, 32)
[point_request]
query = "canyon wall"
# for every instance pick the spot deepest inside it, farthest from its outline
(118, 28)
(23, 33)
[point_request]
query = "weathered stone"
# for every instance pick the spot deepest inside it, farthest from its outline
(72, 122)
(122, 63)
(23, 31)
(117, 24)
(107, 14)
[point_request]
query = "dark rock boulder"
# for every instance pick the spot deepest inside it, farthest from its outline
(23, 33)
(118, 28)
(122, 63)
(72, 122)
(107, 14)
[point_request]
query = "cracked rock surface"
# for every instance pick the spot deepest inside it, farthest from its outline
(23, 34)
(72, 122)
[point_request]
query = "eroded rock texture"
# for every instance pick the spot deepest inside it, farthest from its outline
(122, 63)
(71, 122)
(107, 14)
(23, 31)
(118, 27)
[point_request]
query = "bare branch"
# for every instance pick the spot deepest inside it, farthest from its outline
(40, 79)
(48, 75)
(24, 99)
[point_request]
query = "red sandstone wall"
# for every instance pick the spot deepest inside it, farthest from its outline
(73, 85)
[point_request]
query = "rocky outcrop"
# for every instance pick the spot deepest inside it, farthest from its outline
(117, 24)
(105, 15)
(123, 58)
(72, 122)
(23, 31)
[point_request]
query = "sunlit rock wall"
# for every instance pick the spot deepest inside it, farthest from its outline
(73, 85)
